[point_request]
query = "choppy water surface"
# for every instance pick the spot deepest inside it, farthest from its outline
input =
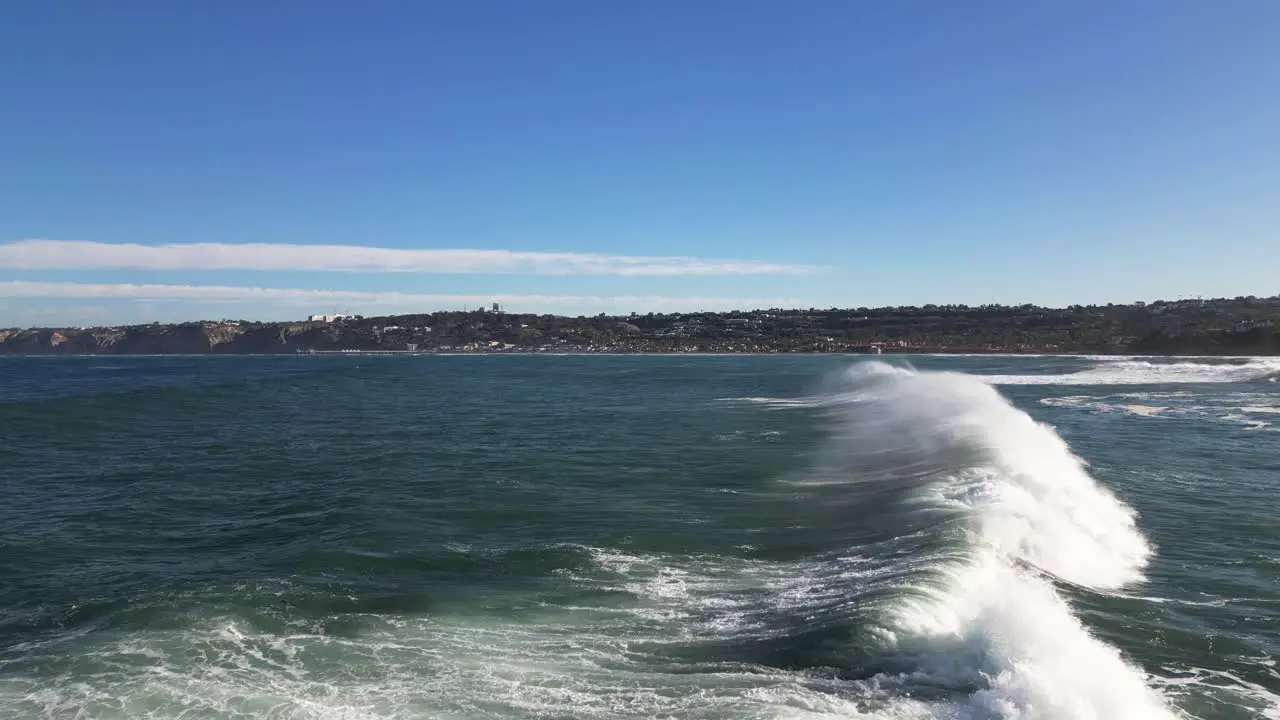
(639, 537)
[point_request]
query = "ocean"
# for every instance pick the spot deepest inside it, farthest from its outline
(513, 536)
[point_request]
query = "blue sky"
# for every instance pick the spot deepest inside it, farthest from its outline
(163, 161)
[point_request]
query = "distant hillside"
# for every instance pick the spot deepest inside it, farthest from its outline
(1239, 326)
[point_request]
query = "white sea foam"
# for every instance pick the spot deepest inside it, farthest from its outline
(1225, 689)
(571, 662)
(1148, 372)
(743, 436)
(814, 401)
(1251, 410)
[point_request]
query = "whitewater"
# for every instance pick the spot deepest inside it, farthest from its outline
(1013, 510)
(1138, 371)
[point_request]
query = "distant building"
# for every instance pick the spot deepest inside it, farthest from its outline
(329, 318)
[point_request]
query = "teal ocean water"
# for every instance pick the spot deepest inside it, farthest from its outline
(639, 537)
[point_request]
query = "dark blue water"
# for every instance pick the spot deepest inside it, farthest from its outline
(640, 537)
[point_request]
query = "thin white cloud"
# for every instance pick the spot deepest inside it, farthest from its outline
(82, 255)
(321, 300)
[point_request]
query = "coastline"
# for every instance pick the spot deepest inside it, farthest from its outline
(1240, 327)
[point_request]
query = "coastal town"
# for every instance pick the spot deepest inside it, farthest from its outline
(1237, 326)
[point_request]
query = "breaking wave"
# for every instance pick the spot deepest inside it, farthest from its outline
(1003, 509)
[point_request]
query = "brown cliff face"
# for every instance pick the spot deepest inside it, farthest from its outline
(41, 342)
(195, 338)
(190, 338)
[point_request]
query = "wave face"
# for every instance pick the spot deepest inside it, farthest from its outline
(1009, 510)
(1145, 372)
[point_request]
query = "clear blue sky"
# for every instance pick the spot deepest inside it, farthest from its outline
(826, 152)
